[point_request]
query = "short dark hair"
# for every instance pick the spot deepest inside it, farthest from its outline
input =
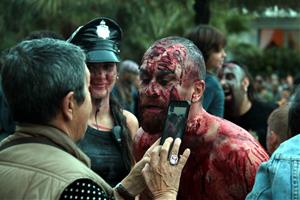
(36, 76)
(294, 114)
(278, 121)
(207, 38)
(194, 55)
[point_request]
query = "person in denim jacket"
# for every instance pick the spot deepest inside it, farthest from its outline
(279, 178)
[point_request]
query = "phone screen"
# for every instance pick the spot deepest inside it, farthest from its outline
(176, 120)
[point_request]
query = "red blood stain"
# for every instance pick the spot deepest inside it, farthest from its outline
(223, 162)
(165, 57)
(224, 157)
(162, 58)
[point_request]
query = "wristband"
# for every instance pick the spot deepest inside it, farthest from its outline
(123, 192)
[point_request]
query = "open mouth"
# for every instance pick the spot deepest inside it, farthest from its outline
(227, 93)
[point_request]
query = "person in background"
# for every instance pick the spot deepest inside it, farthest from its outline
(296, 85)
(41, 160)
(285, 95)
(108, 139)
(211, 43)
(278, 128)
(278, 178)
(125, 90)
(274, 86)
(241, 107)
(224, 157)
(264, 89)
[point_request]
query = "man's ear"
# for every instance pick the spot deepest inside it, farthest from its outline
(199, 87)
(68, 106)
(245, 83)
(274, 140)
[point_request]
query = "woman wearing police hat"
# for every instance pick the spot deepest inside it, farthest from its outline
(108, 139)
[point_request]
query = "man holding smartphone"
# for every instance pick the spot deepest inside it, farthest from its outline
(224, 157)
(175, 121)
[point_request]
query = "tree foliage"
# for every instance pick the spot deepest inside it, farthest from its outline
(142, 21)
(152, 20)
(282, 61)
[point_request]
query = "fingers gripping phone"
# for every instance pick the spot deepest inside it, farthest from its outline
(176, 120)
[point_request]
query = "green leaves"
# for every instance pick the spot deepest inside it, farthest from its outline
(143, 22)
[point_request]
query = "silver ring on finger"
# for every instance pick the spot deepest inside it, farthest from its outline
(173, 159)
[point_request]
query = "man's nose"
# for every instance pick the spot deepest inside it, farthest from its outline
(222, 81)
(152, 89)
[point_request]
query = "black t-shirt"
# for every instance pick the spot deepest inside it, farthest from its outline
(255, 120)
(105, 154)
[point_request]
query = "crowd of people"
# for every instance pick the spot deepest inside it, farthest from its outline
(275, 89)
(78, 122)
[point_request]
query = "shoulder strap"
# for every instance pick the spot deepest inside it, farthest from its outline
(25, 140)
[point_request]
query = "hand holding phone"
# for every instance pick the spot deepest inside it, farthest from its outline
(176, 120)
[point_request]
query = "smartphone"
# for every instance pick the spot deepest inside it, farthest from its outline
(175, 123)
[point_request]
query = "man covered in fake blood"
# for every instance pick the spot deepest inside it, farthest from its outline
(224, 157)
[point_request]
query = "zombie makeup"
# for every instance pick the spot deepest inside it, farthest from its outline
(103, 78)
(163, 77)
(231, 80)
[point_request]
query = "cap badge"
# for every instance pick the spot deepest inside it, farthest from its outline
(103, 30)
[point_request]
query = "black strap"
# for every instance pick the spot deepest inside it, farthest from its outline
(26, 140)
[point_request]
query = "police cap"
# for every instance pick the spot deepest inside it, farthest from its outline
(100, 39)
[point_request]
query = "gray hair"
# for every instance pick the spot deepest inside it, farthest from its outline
(36, 76)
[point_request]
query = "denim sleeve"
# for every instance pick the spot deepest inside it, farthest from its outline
(276, 179)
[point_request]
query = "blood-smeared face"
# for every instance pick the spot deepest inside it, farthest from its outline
(231, 78)
(164, 76)
(103, 78)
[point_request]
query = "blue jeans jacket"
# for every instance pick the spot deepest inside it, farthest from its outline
(279, 178)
